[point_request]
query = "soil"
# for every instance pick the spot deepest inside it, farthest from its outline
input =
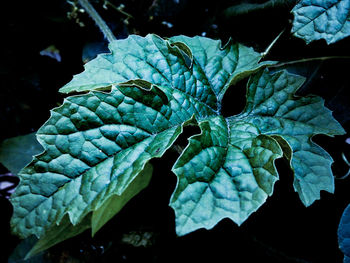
(282, 230)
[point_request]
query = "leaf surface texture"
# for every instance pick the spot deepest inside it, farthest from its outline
(137, 99)
(322, 19)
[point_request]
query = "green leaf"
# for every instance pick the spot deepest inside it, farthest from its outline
(98, 145)
(163, 63)
(327, 19)
(95, 220)
(17, 152)
(344, 234)
(222, 66)
(226, 171)
(292, 121)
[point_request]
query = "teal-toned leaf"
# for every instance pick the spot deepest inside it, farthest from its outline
(344, 234)
(95, 220)
(322, 19)
(17, 152)
(222, 66)
(95, 146)
(273, 108)
(226, 171)
(162, 63)
(98, 145)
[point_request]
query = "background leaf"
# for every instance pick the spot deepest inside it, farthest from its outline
(17, 152)
(327, 19)
(344, 234)
(20, 252)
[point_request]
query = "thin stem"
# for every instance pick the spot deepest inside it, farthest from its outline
(120, 8)
(98, 20)
(267, 50)
(245, 8)
(307, 60)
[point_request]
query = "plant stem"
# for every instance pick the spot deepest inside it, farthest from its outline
(267, 50)
(119, 8)
(348, 163)
(245, 8)
(98, 20)
(307, 60)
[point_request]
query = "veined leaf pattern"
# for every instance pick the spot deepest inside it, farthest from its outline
(98, 145)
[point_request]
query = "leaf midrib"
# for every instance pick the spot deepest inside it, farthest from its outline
(321, 13)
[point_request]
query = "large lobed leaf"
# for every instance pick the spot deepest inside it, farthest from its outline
(98, 145)
(233, 175)
(322, 19)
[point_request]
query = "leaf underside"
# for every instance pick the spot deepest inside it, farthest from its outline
(326, 19)
(98, 145)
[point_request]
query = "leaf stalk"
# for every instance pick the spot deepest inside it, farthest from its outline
(107, 32)
(307, 60)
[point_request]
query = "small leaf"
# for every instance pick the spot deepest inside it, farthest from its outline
(17, 152)
(344, 234)
(327, 19)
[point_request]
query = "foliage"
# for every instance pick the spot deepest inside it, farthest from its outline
(327, 19)
(134, 105)
(21, 251)
(17, 152)
(140, 96)
(344, 234)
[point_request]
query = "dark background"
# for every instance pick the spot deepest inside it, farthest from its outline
(282, 230)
